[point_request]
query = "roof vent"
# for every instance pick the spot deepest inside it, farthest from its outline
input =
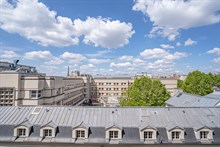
(36, 110)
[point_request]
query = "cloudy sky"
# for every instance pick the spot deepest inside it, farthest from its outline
(112, 36)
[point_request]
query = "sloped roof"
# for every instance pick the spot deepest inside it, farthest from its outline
(181, 99)
(97, 119)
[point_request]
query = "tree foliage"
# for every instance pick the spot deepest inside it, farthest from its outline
(179, 83)
(145, 92)
(200, 83)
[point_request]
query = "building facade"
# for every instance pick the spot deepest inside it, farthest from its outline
(18, 88)
(103, 127)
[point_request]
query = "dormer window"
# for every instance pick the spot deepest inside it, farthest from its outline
(47, 132)
(204, 135)
(175, 135)
(113, 134)
(21, 132)
(80, 133)
(23, 129)
(148, 135)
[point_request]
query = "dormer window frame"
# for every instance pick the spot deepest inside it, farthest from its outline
(23, 128)
(116, 131)
(80, 133)
(148, 134)
(21, 132)
(209, 135)
(176, 134)
(46, 131)
(113, 134)
(203, 135)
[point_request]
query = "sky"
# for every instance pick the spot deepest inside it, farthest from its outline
(112, 37)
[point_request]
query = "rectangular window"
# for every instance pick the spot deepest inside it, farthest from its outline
(80, 133)
(33, 93)
(204, 134)
(47, 132)
(175, 135)
(21, 132)
(113, 134)
(39, 94)
(148, 134)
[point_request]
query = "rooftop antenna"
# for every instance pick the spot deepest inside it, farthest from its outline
(68, 72)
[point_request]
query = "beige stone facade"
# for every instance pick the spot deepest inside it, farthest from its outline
(37, 89)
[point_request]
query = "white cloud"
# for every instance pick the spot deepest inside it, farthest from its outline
(165, 60)
(73, 56)
(217, 60)
(35, 21)
(176, 56)
(55, 61)
(98, 61)
(178, 44)
(126, 58)
(138, 62)
(7, 54)
(35, 55)
(154, 53)
(169, 17)
(103, 32)
(87, 68)
(166, 46)
(160, 64)
(119, 65)
(190, 42)
(215, 50)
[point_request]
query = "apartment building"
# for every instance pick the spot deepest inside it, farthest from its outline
(170, 83)
(110, 86)
(36, 89)
(22, 85)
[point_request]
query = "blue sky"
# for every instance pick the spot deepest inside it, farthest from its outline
(112, 36)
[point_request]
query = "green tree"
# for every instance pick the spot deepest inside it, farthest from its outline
(179, 83)
(145, 92)
(198, 83)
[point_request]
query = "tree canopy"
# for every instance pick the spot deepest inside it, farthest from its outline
(200, 83)
(145, 92)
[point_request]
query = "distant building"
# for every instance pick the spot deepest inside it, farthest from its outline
(105, 127)
(100, 88)
(182, 99)
(22, 85)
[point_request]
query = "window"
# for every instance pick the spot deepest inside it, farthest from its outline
(80, 133)
(39, 93)
(148, 134)
(47, 132)
(175, 135)
(33, 93)
(204, 134)
(113, 134)
(22, 132)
